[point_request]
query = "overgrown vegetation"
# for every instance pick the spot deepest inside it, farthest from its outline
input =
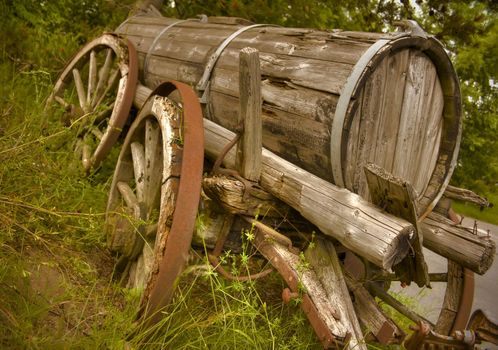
(56, 282)
(57, 289)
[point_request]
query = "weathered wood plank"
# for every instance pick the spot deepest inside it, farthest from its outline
(316, 44)
(250, 145)
(465, 195)
(429, 132)
(395, 80)
(329, 323)
(371, 316)
(372, 114)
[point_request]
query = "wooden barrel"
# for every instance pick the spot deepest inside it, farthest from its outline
(333, 101)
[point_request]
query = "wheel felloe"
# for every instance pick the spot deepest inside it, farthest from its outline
(96, 89)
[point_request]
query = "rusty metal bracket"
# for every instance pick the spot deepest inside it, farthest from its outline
(276, 250)
(480, 329)
(425, 338)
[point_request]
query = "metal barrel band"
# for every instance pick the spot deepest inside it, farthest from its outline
(203, 84)
(342, 108)
(158, 36)
(413, 30)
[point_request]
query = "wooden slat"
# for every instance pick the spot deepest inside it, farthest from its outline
(138, 155)
(394, 87)
(410, 117)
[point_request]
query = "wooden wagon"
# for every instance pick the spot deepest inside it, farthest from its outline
(356, 134)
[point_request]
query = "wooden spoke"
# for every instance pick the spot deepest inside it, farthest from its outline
(438, 277)
(103, 77)
(61, 101)
(92, 78)
(97, 133)
(127, 194)
(139, 271)
(86, 156)
(80, 89)
(113, 79)
(138, 156)
(153, 163)
(398, 306)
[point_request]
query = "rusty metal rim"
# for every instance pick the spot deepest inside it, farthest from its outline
(179, 239)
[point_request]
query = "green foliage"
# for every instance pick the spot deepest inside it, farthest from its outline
(489, 215)
(352, 15)
(46, 33)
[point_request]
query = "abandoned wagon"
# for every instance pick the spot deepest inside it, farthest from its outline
(355, 133)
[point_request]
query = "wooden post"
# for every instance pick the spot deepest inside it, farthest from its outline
(249, 148)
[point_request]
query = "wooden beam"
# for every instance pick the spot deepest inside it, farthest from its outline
(250, 146)
(461, 244)
(465, 195)
(356, 223)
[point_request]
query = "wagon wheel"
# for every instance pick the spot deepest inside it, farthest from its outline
(455, 308)
(155, 194)
(97, 86)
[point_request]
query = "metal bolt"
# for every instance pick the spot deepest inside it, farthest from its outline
(288, 295)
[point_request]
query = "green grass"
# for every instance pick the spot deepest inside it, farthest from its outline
(489, 215)
(56, 275)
